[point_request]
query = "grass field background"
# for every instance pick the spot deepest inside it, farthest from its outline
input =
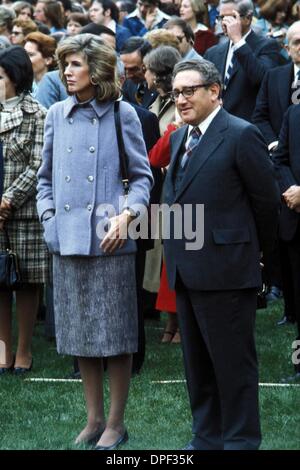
(37, 415)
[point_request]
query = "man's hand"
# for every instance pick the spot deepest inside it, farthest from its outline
(117, 234)
(150, 18)
(233, 27)
(5, 209)
(292, 197)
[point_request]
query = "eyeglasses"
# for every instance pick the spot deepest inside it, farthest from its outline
(16, 33)
(186, 92)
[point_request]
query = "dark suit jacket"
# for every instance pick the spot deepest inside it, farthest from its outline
(287, 166)
(231, 174)
(122, 34)
(253, 60)
(129, 91)
(273, 100)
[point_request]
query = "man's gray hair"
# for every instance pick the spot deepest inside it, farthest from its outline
(208, 71)
(244, 7)
(293, 29)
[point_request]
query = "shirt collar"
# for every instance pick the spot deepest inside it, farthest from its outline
(204, 125)
(100, 108)
(296, 70)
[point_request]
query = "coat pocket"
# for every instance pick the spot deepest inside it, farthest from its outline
(50, 235)
(231, 236)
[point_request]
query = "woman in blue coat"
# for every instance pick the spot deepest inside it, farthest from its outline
(80, 192)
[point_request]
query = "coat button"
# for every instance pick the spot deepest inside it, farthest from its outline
(89, 207)
(71, 120)
(69, 149)
(94, 121)
(90, 178)
(68, 179)
(67, 207)
(92, 149)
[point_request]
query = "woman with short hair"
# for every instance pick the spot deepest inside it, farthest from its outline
(21, 132)
(41, 50)
(80, 192)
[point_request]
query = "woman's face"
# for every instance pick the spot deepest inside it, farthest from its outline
(17, 36)
(7, 87)
(150, 78)
(40, 64)
(25, 14)
(280, 17)
(186, 12)
(73, 28)
(78, 78)
(39, 12)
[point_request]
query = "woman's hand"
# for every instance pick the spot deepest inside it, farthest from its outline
(117, 234)
(5, 209)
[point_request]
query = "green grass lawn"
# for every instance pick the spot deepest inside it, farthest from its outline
(36, 415)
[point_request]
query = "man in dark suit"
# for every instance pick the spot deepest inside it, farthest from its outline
(280, 88)
(278, 91)
(221, 162)
(243, 59)
(287, 166)
(135, 89)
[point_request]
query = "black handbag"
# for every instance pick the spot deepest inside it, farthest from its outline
(10, 276)
(142, 244)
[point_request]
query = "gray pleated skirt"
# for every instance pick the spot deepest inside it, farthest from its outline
(95, 305)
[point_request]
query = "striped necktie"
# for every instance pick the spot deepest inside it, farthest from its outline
(295, 90)
(229, 70)
(193, 141)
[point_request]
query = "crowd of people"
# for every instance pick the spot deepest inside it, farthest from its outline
(106, 106)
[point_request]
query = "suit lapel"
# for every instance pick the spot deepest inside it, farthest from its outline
(207, 145)
(284, 84)
(251, 41)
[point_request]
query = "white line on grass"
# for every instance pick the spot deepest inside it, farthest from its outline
(37, 379)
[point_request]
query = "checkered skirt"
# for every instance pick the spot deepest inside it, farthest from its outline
(26, 239)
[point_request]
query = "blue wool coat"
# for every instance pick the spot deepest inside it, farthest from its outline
(81, 170)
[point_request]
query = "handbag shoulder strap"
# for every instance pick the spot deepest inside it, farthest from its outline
(122, 153)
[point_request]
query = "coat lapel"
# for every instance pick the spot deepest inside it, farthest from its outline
(207, 145)
(284, 86)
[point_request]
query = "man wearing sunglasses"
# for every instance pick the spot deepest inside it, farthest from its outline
(243, 59)
(219, 164)
(185, 36)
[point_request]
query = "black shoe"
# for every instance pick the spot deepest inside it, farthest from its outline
(285, 321)
(22, 370)
(189, 446)
(121, 440)
(274, 294)
(73, 376)
(292, 378)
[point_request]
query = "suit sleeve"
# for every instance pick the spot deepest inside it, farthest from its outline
(261, 114)
(259, 179)
(281, 157)
(140, 175)
(255, 66)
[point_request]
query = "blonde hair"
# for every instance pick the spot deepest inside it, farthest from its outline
(101, 60)
(162, 37)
